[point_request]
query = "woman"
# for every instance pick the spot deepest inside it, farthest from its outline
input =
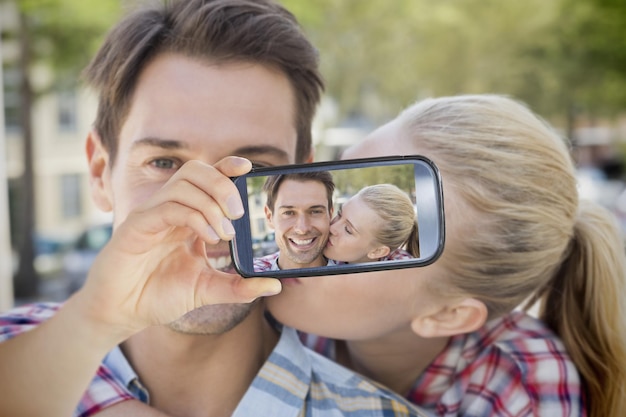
(449, 335)
(374, 225)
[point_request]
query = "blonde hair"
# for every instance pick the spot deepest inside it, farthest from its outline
(525, 237)
(398, 214)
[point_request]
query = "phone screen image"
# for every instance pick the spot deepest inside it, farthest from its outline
(340, 217)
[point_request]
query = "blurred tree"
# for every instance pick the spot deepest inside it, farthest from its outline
(560, 56)
(349, 182)
(379, 56)
(582, 55)
(59, 35)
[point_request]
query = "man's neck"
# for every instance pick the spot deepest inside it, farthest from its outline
(287, 264)
(189, 375)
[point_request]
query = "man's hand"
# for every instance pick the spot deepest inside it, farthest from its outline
(154, 269)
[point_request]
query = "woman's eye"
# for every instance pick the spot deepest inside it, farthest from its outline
(348, 230)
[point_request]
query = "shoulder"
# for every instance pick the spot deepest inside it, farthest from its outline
(265, 263)
(514, 364)
(398, 255)
(105, 389)
(24, 318)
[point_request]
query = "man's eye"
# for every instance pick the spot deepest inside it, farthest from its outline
(164, 163)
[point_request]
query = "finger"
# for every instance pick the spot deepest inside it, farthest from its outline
(188, 195)
(220, 287)
(233, 166)
(215, 183)
(143, 228)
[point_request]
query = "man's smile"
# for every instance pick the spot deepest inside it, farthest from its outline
(302, 244)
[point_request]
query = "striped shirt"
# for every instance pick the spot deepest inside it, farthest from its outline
(294, 381)
(512, 366)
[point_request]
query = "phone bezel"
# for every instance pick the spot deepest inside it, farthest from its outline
(431, 221)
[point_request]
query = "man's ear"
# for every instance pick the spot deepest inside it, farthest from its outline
(379, 252)
(268, 216)
(465, 316)
(309, 159)
(99, 171)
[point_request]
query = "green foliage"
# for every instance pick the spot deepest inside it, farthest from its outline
(349, 182)
(378, 56)
(64, 34)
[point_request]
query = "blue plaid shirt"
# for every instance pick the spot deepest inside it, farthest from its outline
(294, 381)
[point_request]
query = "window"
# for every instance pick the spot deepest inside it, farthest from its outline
(71, 206)
(66, 110)
(11, 81)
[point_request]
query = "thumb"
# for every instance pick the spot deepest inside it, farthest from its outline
(218, 287)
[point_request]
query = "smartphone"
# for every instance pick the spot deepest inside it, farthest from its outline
(269, 242)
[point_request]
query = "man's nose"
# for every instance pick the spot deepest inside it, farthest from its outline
(303, 224)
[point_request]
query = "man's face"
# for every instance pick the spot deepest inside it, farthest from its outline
(301, 221)
(185, 109)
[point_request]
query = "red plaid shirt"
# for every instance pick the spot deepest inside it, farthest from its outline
(512, 366)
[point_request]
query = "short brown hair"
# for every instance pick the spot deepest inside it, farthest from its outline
(222, 31)
(272, 184)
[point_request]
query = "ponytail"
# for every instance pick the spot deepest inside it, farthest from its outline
(584, 304)
(413, 242)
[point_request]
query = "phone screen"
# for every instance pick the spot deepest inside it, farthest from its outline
(339, 217)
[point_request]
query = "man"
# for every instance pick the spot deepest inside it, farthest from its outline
(182, 88)
(299, 208)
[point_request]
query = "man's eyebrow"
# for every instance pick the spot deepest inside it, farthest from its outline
(253, 150)
(245, 151)
(160, 143)
(317, 206)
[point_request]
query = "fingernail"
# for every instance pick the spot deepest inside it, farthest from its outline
(234, 205)
(237, 160)
(212, 233)
(227, 227)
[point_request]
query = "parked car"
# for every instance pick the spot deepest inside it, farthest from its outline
(48, 257)
(79, 257)
(264, 246)
(49, 252)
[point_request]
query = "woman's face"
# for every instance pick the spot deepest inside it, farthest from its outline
(365, 305)
(352, 233)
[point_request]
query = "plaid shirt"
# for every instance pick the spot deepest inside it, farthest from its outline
(270, 262)
(512, 366)
(294, 381)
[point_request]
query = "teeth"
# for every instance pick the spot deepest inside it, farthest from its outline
(302, 241)
(221, 264)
